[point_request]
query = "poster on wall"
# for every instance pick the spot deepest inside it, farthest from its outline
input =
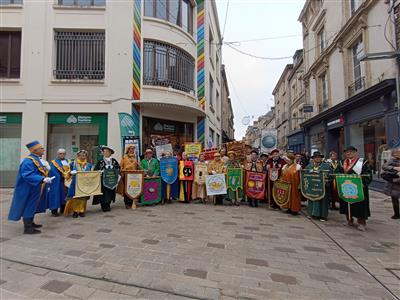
(132, 141)
(268, 140)
(163, 149)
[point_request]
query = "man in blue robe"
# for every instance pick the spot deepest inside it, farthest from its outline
(30, 193)
(61, 171)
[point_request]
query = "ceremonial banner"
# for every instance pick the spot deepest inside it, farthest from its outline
(163, 149)
(186, 170)
(215, 184)
(350, 188)
(312, 185)
(281, 192)
(234, 178)
(268, 140)
(193, 149)
(151, 191)
(273, 174)
(209, 153)
(87, 184)
(169, 169)
(134, 181)
(110, 178)
(255, 185)
(200, 172)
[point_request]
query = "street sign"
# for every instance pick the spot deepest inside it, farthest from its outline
(308, 108)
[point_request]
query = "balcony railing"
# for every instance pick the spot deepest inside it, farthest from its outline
(356, 86)
(10, 2)
(81, 2)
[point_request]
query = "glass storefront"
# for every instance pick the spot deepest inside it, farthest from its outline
(158, 132)
(318, 142)
(369, 137)
(10, 145)
(74, 132)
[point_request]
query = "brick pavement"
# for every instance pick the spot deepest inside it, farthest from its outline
(195, 251)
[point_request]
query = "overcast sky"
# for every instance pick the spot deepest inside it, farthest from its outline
(252, 80)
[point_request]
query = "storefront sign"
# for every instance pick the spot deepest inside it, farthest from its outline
(335, 122)
(127, 125)
(73, 119)
(10, 118)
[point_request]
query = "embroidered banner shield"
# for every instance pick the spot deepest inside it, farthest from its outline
(234, 178)
(255, 185)
(350, 188)
(88, 184)
(312, 185)
(200, 172)
(215, 184)
(169, 169)
(186, 170)
(134, 181)
(110, 178)
(281, 192)
(151, 191)
(273, 174)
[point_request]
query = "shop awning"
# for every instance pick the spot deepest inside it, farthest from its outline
(170, 107)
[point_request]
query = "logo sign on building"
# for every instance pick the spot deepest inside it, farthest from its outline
(72, 119)
(335, 122)
(268, 140)
(3, 119)
(127, 125)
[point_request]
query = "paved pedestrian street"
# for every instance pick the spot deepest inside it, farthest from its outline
(195, 251)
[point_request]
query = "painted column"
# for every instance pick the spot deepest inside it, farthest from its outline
(201, 70)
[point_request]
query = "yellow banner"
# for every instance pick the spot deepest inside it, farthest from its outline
(193, 149)
(88, 184)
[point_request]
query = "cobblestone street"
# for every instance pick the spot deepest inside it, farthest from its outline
(197, 251)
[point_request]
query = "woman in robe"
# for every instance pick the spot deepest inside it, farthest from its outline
(291, 174)
(77, 205)
(128, 163)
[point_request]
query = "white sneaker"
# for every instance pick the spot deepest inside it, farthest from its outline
(361, 227)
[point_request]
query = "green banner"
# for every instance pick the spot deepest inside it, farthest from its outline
(312, 185)
(350, 188)
(110, 178)
(234, 177)
(127, 125)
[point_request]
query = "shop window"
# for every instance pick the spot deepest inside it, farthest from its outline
(10, 54)
(165, 65)
(177, 12)
(82, 2)
(318, 142)
(323, 79)
(79, 55)
(369, 138)
(10, 2)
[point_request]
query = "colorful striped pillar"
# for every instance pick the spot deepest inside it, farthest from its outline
(200, 70)
(137, 49)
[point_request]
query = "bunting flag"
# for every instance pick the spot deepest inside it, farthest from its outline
(350, 188)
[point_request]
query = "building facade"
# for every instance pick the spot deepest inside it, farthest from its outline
(353, 99)
(227, 122)
(70, 68)
(253, 132)
(281, 94)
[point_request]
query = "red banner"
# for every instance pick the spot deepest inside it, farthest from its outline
(255, 185)
(186, 170)
(209, 153)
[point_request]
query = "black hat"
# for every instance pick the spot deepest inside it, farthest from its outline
(350, 148)
(106, 147)
(254, 151)
(264, 155)
(317, 153)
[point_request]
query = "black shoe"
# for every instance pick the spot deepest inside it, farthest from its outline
(395, 217)
(36, 225)
(31, 230)
(55, 214)
(82, 215)
(75, 215)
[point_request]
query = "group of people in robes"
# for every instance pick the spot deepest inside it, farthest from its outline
(42, 186)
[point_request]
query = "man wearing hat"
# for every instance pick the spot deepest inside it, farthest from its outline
(60, 169)
(31, 189)
(233, 163)
(354, 165)
(274, 166)
(318, 210)
(107, 162)
(150, 165)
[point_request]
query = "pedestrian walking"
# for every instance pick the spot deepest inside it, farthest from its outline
(391, 173)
